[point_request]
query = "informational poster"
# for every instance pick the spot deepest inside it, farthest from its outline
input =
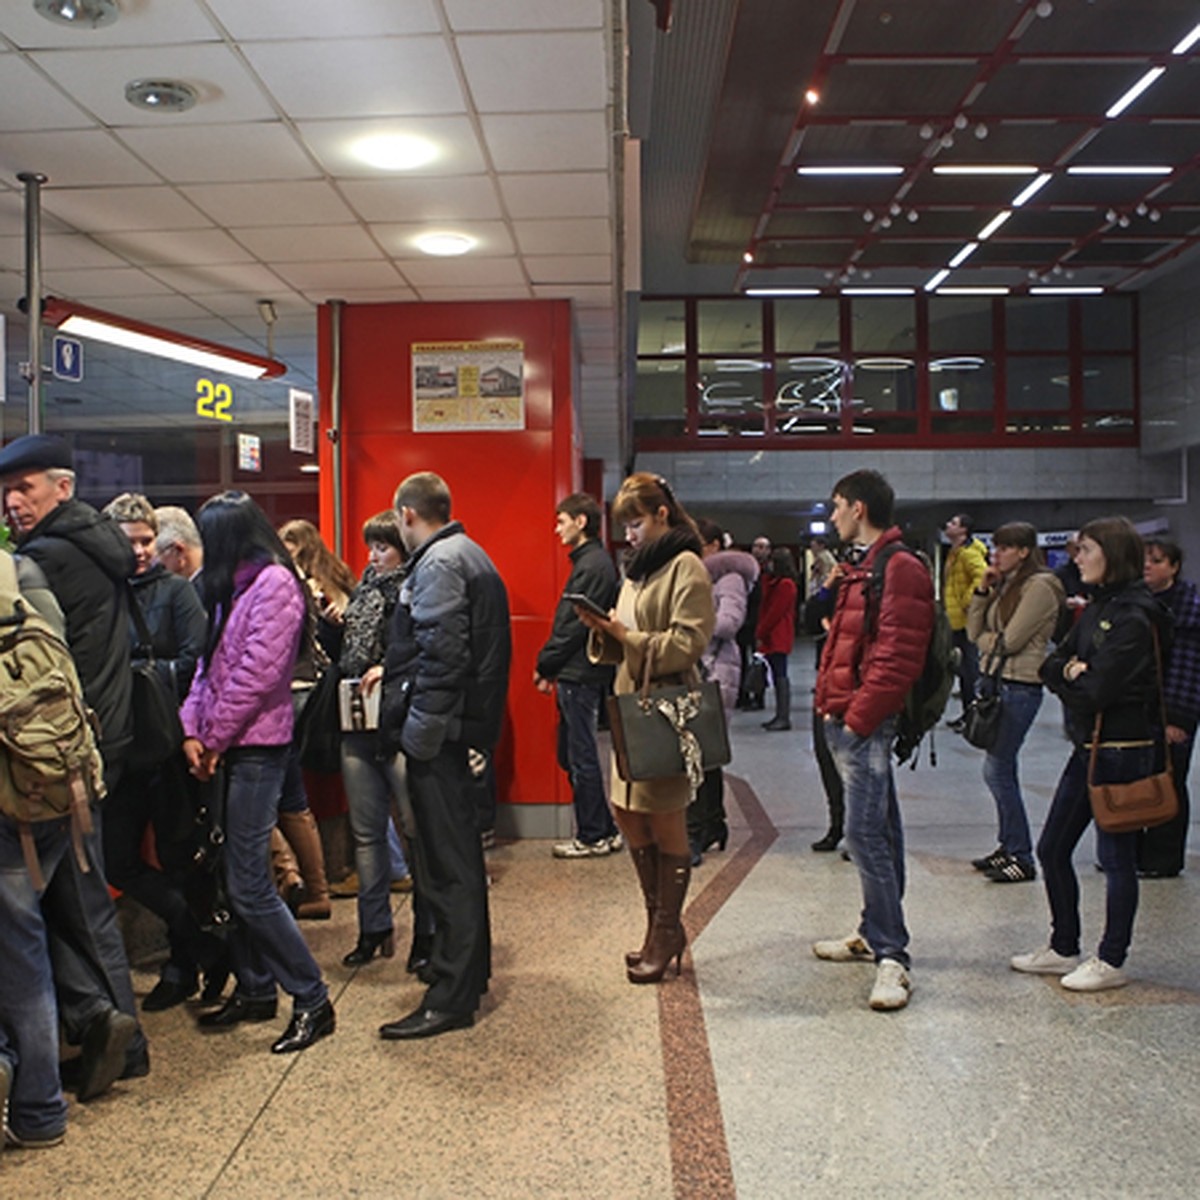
(249, 452)
(468, 385)
(302, 417)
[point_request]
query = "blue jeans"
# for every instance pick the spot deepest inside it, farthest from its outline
(968, 666)
(371, 785)
(28, 1009)
(874, 835)
(266, 944)
(578, 704)
(1070, 814)
(1019, 704)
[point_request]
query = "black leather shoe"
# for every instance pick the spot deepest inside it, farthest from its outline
(305, 1028)
(828, 843)
(102, 1057)
(167, 993)
(424, 1023)
(418, 955)
(236, 1009)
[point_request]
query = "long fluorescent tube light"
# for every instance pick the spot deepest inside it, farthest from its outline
(782, 291)
(1120, 170)
(1134, 92)
(82, 321)
(962, 256)
(849, 170)
(973, 291)
(1032, 190)
(940, 277)
(994, 224)
(969, 169)
(1066, 291)
(878, 291)
(1188, 42)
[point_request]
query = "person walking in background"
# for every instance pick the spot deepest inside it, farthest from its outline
(776, 634)
(1012, 616)
(1163, 850)
(579, 685)
(965, 565)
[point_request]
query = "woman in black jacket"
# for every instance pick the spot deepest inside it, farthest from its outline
(1106, 666)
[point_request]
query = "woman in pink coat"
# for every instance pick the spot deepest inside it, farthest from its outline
(777, 630)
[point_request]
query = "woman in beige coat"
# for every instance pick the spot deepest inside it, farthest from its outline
(664, 612)
(1012, 614)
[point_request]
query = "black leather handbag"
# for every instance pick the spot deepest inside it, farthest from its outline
(981, 720)
(157, 732)
(318, 733)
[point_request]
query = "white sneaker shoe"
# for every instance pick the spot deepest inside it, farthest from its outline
(847, 949)
(1095, 975)
(577, 849)
(892, 986)
(616, 843)
(1044, 962)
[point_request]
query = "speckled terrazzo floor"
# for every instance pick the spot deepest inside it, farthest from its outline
(759, 1073)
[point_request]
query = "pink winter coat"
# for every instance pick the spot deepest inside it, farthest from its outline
(244, 696)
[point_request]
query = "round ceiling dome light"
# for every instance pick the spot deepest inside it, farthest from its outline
(444, 245)
(161, 95)
(394, 151)
(93, 13)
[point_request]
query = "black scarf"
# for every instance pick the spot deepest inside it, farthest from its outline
(650, 557)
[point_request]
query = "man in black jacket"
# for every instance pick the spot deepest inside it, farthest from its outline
(581, 684)
(86, 560)
(444, 688)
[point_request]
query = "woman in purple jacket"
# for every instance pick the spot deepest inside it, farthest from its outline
(239, 713)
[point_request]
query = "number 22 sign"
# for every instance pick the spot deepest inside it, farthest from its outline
(214, 400)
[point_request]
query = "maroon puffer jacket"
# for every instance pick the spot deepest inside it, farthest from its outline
(864, 679)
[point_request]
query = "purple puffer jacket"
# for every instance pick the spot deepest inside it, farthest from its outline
(733, 573)
(244, 696)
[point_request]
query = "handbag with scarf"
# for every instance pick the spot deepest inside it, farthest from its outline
(157, 732)
(981, 720)
(1141, 803)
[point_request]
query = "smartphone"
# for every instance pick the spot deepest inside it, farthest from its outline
(586, 602)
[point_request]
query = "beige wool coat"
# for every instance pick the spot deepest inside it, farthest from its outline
(1028, 630)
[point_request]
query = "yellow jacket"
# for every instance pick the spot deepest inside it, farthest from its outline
(964, 569)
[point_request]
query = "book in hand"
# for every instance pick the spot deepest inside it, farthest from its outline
(586, 602)
(358, 713)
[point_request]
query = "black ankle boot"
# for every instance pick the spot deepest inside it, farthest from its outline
(368, 944)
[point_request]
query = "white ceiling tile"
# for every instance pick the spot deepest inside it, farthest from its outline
(423, 199)
(227, 92)
(535, 72)
(186, 247)
(161, 310)
(72, 159)
(213, 154)
(309, 243)
(269, 20)
(59, 252)
(99, 210)
(548, 142)
(464, 272)
(459, 294)
(587, 235)
(252, 279)
(375, 77)
(333, 141)
(31, 103)
(579, 293)
(336, 278)
(12, 215)
(293, 313)
(549, 194)
(567, 268)
(492, 237)
(363, 295)
(104, 284)
(141, 23)
(292, 202)
(529, 14)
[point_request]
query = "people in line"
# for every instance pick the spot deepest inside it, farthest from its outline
(752, 698)
(444, 689)
(662, 623)
(238, 716)
(579, 685)
(965, 564)
(1162, 851)
(1011, 618)
(733, 574)
(776, 634)
(876, 651)
(329, 580)
(1106, 668)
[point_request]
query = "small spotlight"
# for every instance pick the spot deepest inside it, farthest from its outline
(812, 96)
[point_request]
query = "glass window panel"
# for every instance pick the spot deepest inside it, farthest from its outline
(960, 323)
(882, 323)
(1108, 384)
(961, 423)
(731, 393)
(1107, 322)
(1018, 423)
(1036, 322)
(1039, 384)
(808, 394)
(1109, 422)
(729, 326)
(868, 423)
(884, 385)
(660, 399)
(961, 383)
(805, 326)
(661, 327)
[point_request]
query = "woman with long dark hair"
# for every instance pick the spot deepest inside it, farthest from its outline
(664, 615)
(1011, 618)
(239, 715)
(776, 632)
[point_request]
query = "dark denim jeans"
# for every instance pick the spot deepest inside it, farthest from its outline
(1019, 704)
(968, 666)
(578, 704)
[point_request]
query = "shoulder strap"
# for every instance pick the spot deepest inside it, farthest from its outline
(145, 641)
(875, 584)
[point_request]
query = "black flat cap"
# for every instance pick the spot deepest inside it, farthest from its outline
(36, 452)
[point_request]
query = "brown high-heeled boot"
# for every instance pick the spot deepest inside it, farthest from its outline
(285, 870)
(667, 939)
(645, 863)
(300, 829)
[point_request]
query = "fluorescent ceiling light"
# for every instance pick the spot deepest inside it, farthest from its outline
(1032, 190)
(782, 291)
(962, 256)
(1066, 291)
(444, 245)
(878, 291)
(968, 169)
(1134, 92)
(940, 277)
(1188, 42)
(994, 224)
(394, 151)
(883, 364)
(1120, 170)
(849, 170)
(973, 291)
(961, 362)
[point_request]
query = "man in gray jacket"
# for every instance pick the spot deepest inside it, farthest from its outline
(444, 688)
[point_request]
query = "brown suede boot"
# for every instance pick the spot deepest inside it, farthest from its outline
(645, 863)
(300, 829)
(667, 939)
(286, 872)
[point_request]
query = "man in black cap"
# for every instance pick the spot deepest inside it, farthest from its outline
(86, 561)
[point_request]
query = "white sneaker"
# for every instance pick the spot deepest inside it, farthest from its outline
(577, 849)
(892, 986)
(1044, 962)
(1095, 975)
(616, 843)
(847, 949)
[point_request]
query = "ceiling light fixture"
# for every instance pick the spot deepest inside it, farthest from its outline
(1032, 190)
(161, 95)
(984, 169)
(878, 291)
(78, 12)
(394, 151)
(1120, 170)
(1066, 291)
(994, 224)
(81, 321)
(444, 245)
(812, 96)
(938, 279)
(782, 291)
(1183, 46)
(973, 291)
(962, 256)
(860, 170)
(1134, 92)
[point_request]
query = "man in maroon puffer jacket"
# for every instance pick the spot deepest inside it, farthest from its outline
(875, 652)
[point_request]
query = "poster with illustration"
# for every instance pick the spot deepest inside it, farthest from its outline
(468, 385)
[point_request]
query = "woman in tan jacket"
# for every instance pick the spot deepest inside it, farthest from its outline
(1012, 614)
(664, 612)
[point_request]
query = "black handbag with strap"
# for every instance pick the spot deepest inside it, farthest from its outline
(981, 719)
(157, 732)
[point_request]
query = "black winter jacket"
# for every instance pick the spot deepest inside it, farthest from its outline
(177, 624)
(86, 560)
(564, 656)
(449, 649)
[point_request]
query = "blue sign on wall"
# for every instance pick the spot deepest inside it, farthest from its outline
(68, 359)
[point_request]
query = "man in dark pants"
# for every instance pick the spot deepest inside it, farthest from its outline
(444, 687)
(86, 560)
(563, 668)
